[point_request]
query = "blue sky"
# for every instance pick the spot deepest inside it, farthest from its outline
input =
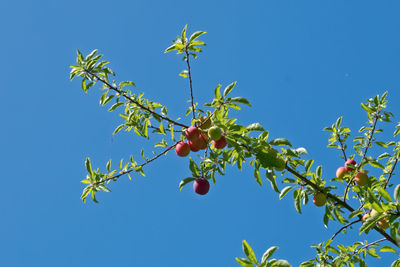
(301, 64)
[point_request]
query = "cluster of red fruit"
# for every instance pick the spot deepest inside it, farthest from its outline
(198, 140)
(361, 178)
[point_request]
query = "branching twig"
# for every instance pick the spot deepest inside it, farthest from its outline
(344, 227)
(138, 166)
(364, 155)
(134, 101)
(368, 245)
(338, 201)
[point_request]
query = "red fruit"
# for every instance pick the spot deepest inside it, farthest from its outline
(201, 186)
(203, 141)
(349, 168)
(194, 146)
(221, 143)
(340, 172)
(182, 149)
(192, 133)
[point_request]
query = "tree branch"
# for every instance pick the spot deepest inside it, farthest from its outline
(337, 200)
(344, 227)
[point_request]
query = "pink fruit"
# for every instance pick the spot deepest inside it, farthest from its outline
(201, 186)
(340, 172)
(350, 168)
(182, 149)
(192, 133)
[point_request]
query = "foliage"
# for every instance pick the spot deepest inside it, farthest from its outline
(269, 158)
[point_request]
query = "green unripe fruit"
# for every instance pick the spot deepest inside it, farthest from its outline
(279, 164)
(361, 179)
(205, 123)
(319, 199)
(215, 133)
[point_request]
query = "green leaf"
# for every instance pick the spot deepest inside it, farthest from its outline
(257, 176)
(217, 92)
(86, 192)
(366, 108)
(119, 128)
(102, 187)
(86, 181)
(248, 251)
(373, 253)
(244, 262)
(355, 213)
(255, 127)
(280, 142)
(395, 263)
(268, 253)
(195, 35)
(281, 263)
(385, 195)
(116, 105)
(396, 193)
(185, 181)
(229, 88)
(387, 249)
(285, 191)
(89, 167)
(240, 100)
(376, 164)
(297, 199)
(170, 48)
(370, 223)
(271, 177)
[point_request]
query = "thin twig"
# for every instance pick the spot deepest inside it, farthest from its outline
(341, 146)
(368, 245)
(344, 227)
(190, 82)
(390, 176)
(136, 102)
(364, 155)
(157, 128)
(138, 166)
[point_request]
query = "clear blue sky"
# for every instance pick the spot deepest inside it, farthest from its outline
(302, 64)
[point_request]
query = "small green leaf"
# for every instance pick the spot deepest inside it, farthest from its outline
(397, 192)
(268, 253)
(240, 100)
(102, 187)
(280, 142)
(89, 167)
(244, 262)
(248, 251)
(217, 92)
(229, 88)
(86, 181)
(281, 263)
(385, 195)
(185, 181)
(271, 177)
(195, 35)
(387, 249)
(116, 105)
(255, 127)
(285, 191)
